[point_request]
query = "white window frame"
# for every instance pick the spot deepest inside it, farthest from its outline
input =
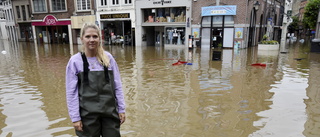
(66, 6)
(104, 2)
(45, 6)
(128, 3)
(18, 11)
(115, 2)
(88, 7)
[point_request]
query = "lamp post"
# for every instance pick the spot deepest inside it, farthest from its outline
(256, 5)
(252, 27)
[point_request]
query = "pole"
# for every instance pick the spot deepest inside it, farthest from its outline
(286, 22)
(317, 28)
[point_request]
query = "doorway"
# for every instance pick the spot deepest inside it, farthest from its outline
(217, 37)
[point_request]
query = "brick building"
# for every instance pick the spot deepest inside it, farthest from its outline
(60, 21)
(235, 23)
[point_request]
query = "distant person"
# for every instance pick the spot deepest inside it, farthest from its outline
(40, 38)
(94, 93)
(64, 37)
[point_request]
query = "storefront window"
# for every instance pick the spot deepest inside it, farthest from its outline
(217, 21)
(175, 36)
(117, 32)
(228, 21)
(206, 21)
(177, 14)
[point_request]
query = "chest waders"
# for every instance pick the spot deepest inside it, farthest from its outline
(98, 107)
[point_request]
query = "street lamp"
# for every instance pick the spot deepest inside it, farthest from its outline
(252, 27)
(256, 5)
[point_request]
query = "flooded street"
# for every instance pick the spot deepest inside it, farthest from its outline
(205, 98)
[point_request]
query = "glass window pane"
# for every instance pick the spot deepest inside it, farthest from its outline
(217, 21)
(206, 21)
(228, 21)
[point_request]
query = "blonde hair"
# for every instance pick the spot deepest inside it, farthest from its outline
(101, 56)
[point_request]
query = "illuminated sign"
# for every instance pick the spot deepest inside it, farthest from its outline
(115, 16)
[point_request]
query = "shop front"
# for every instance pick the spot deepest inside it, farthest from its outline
(217, 26)
(163, 23)
(51, 30)
(117, 29)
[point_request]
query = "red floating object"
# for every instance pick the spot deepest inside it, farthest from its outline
(259, 64)
(179, 62)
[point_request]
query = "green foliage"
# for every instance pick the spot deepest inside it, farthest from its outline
(220, 45)
(265, 37)
(311, 13)
(266, 41)
(269, 42)
(294, 25)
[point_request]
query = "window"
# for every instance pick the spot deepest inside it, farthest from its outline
(58, 5)
(29, 11)
(206, 21)
(24, 16)
(115, 2)
(18, 12)
(39, 5)
(104, 3)
(83, 4)
(127, 1)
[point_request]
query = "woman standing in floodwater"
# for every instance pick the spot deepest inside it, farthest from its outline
(93, 88)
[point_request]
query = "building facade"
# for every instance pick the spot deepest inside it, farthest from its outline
(234, 23)
(117, 21)
(51, 21)
(7, 24)
(83, 12)
(163, 22)
(22, 12)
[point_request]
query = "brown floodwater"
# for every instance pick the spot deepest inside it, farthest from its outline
(205, 98)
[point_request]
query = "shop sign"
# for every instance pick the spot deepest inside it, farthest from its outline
(115, 16)
(219, 10)
(51, 20)
(162, 2)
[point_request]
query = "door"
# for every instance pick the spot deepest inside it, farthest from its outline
(217, 37)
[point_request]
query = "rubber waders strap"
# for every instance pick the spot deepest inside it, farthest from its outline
(106, 74)
(85, 67)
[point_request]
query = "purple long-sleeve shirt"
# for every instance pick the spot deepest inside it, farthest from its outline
(75, 66)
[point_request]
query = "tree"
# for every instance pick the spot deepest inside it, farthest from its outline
(294, 25)
(311, 14)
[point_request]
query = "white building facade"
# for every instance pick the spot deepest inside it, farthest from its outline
(116, 18)
(8, 27)
(163, 22)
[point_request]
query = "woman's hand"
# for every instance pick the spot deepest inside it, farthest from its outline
(78, 125)
(122, 117)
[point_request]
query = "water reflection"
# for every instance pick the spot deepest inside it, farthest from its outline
(27, 89)
(204, 98)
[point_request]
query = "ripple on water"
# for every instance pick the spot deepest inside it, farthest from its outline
(22, 106)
